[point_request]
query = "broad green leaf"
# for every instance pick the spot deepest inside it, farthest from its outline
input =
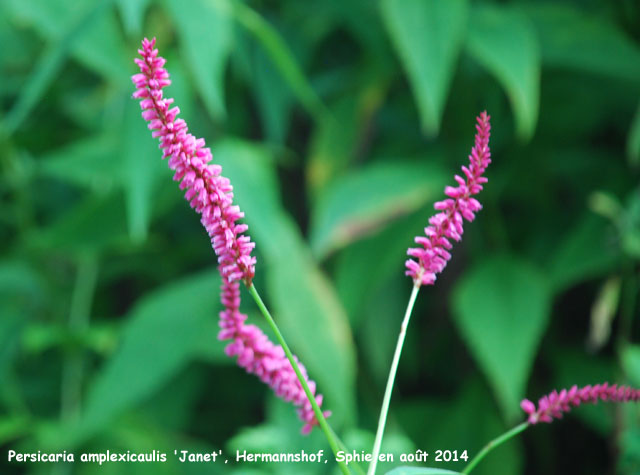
(583, 253)
(453, 415)
(91, 226)
(506, 45)
(501, 309)
(52, 58)
(358, 204)
(633, 141)
(163, 332)
(571, 38)
(281, 56)
(132, 12)
(90, 162)
(273, 96)
(303, 302)
(357, 287)
(631, 363)
(333, 143)
(83, 27)
(420, 471)
(395, 443)
(427, 35)
(141, 167)
(206, 44)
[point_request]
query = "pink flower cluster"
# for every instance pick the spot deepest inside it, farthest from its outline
(259, 356)
(433, 256)
(552, 406)
(207, 191)
(212, 196)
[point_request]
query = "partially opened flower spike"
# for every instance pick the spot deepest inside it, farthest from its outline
(433, 256)
(211, 195)
(555, 404)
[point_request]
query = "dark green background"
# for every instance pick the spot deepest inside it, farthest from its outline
(339, 122)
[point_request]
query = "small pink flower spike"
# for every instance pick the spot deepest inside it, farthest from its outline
(259, 356)
(433, 256)
(553, 405)
(206, 190)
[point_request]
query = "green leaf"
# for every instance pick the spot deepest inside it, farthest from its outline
(141, 168)
(569, 38)
(87, 162)
(303, 302)
(281, 56)
(93, 225)
(358, 204)
(163, 332)
(501, 309)
(132, 12)
(420, 471)
(633, 141)
(427, 35)
(51, 60)
(206, 44)
(273, 96)
(631, 363)
(505, 44)
(583, 253)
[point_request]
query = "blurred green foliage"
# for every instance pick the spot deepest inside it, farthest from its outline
(338, 123)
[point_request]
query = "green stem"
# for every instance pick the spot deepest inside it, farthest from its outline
(316, 409)
(79, 316)
(493, 444)
(390, 381)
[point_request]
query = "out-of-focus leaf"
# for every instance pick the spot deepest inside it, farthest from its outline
(163, 332)
(91, 226)
(273, 95)
(428, 36)
(322, 337)
(355, 286)
(420, 471)
(633, 141)
(132, 12)
(395, 443)
(281, 56)
(333, 143)
(505, 44)
(585, 252)
(51, 60)
(631, 363)
(141, 166)
(630, 225)
(452, 416)
(356, 205)
(571, 38)
(90, 162)
(206, 44)
(84, 31)
(501, 310)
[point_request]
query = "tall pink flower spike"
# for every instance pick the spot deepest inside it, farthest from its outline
(553, 405)
(212, 196)
(433, 256)
(207, 191)
(259, 356)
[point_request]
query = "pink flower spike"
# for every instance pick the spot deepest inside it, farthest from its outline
(206, 190)
(553, 406)
(459, 204)
(259, 356)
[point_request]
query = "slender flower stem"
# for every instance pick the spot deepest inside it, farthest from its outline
(316, 409)
(493, 444)
(392, 377)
